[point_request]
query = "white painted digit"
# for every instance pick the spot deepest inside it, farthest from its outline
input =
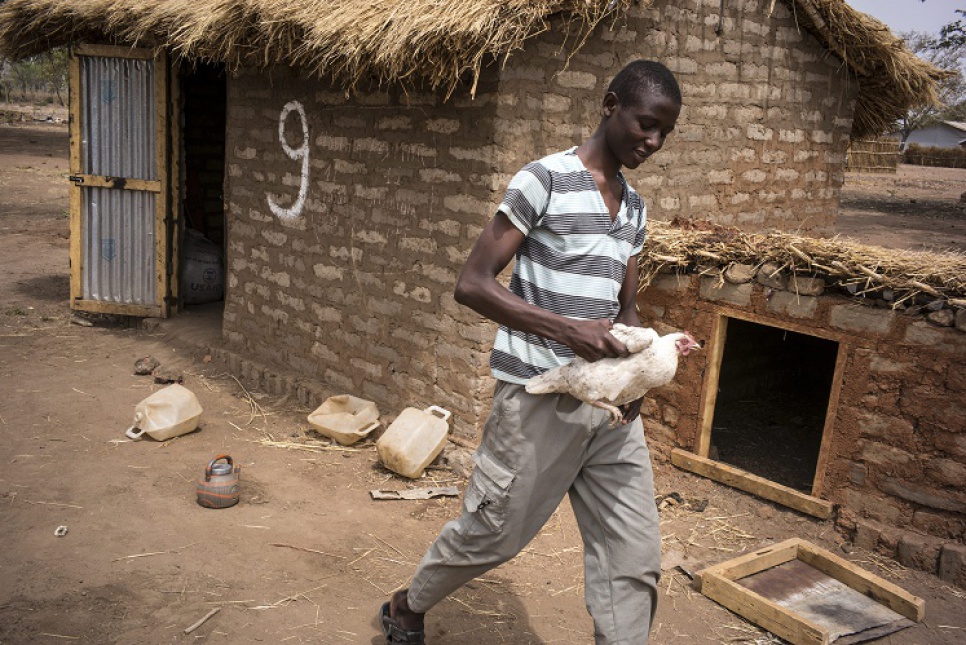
(302, 152)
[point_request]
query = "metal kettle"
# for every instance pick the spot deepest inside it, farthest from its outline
(218, 487)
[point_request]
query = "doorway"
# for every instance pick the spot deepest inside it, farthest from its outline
(773, 396)
(202, 243)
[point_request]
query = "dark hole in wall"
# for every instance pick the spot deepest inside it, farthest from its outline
(203, 135)
(773, 394)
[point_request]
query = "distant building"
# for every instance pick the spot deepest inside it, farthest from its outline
(945, 134)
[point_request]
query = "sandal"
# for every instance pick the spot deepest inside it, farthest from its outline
(395, 635)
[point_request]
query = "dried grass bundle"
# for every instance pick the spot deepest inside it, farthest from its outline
(350, 40)
(891, 78)
(434, 41)
(683, 245)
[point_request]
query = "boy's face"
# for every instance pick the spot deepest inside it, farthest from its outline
(634, 132)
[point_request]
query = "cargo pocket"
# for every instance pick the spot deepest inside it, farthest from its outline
(488, 492)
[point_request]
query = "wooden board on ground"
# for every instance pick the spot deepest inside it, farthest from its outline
(743, 480)
(808, 595)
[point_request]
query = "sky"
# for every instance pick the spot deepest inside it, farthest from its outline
(911, 15)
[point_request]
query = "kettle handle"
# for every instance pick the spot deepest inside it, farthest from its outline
(444, 414)
(212, 463)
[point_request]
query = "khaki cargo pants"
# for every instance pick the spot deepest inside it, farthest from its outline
(536, 449)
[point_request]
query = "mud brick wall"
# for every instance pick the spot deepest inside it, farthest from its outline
(896, 459)
(355, 291)
(766, 121)
(344, 247)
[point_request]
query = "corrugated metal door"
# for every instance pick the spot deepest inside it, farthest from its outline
(119, 193)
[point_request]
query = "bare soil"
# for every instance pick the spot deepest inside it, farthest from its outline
(916, 208)
(306, 556)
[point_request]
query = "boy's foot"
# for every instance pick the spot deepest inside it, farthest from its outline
(400, 625)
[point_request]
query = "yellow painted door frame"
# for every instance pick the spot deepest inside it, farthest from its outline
(165, 241)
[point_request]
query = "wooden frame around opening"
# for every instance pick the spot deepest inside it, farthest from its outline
(699, 463)
(159, 187)
(718, 582)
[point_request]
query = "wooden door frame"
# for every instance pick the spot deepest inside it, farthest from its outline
(699, 463)
(164, 243)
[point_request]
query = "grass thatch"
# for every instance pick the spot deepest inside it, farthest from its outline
(439, 41)
(891, 78)
(869, 270)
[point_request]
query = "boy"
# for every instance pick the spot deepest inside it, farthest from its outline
(575, 227)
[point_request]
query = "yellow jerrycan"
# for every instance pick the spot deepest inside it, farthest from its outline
(414, 440)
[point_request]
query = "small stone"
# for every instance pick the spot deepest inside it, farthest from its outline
(146, 365)
(150, 324)
(805, 286)
(961, 320)
(79, 321)
(739, 273)
(771, 275)
(943, 318)
(166, 376)
(935, 305)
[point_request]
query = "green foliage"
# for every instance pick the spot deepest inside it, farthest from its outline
(44, 73)
(946, 53)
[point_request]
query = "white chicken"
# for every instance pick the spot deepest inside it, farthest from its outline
(611, 382)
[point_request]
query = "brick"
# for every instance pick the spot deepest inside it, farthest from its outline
(884, 365)
(671, 283)
(882, 454)
(857, 473)
(947, 501)
(789, 304)
(881, 509)
(952, 564)
(944, 340)
(860, 319)
(918, 551)
(715, 291)
(577, 80)
(946, 472)
(866, 535)
(938, 523)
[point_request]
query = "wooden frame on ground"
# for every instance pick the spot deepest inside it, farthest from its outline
(718, 583)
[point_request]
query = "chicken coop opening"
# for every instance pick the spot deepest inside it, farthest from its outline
(774, 387)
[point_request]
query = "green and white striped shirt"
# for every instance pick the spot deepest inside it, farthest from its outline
(572, 261)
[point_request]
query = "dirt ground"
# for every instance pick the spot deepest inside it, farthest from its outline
(307, 556)
(916, 208)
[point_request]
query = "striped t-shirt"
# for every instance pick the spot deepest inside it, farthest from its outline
(572, 261)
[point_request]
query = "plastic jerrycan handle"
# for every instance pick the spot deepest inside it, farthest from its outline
(130, 432)
(444, 414)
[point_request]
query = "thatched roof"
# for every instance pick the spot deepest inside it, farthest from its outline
(439, 41)
(901, 277)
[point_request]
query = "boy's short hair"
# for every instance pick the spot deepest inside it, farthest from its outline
(641, 77)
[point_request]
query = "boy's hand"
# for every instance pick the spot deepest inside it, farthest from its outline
(631, 410)
(591, 340)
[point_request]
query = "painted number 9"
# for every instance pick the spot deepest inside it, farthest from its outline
(302, 152)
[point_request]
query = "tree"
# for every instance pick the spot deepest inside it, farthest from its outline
(47, 72)
(55, 71)
(945, 51)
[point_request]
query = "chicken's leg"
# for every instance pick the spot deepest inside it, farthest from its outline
(616, 415)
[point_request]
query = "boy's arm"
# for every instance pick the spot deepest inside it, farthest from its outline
(628, 295)
(478, 288)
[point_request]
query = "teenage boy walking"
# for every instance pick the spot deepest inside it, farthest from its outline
(574, 227)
